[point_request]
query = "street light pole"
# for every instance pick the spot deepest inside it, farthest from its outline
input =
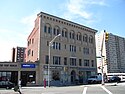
(50, 44)
(102, 57)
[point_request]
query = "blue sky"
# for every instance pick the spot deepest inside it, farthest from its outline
(17, 18)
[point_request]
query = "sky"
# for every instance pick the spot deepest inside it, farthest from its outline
(17, 18)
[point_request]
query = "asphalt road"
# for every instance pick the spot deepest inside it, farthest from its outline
(81, 89)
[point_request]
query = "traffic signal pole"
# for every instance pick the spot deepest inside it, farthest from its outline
(102, 58)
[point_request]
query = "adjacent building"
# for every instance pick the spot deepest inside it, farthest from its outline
(72, 55)
(114, 52)
(18, 54)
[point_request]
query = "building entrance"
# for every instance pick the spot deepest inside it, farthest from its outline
(28, 78)
(73, 76)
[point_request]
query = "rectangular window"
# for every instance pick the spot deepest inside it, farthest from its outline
(49, 30)
(59, 46)
(86, 51)
(32, 52)
(70, 35)
(46, 59)
(66, 34)
(73, 61)
(65, 60)
(72, 48)
(54, 31)
(56, 45)
(92, 62)
(86, 62)
(56, 60)
(32, 41)
(57, 31)
(65, 46)
(53, 45)
(80, 62)
(47, 43)
(29, 51)
(45, 28)
(62, 33)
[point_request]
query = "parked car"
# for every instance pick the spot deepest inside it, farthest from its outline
(94, 79)
(6, 84)
(114, 79)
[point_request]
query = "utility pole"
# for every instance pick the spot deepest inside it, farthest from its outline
(102, 57)
(50, 45)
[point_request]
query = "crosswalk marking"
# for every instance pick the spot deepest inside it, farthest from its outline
(106, 90)
(84, 91)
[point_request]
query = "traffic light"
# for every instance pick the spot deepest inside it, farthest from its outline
(105, 61)
(106, 36)
(99, 67)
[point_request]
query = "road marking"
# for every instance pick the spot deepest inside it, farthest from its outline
(84, 91)
(106, 90)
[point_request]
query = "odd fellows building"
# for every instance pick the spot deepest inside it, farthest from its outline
(64, 50)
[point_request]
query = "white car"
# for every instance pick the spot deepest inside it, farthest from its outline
(94, 79)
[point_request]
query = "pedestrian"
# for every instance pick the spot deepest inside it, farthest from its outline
(19, 86)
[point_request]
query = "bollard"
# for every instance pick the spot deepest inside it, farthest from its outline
(44, 83)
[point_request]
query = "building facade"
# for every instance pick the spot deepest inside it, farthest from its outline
(72, 55)
(114, 52)
(18, 54)
(13, 71)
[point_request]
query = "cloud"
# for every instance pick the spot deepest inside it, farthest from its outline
(28, 21)
(81, 9)
(76, 7)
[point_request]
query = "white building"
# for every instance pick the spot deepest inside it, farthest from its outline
(113, 52)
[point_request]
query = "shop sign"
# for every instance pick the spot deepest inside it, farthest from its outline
(53, 67)
(28, 65)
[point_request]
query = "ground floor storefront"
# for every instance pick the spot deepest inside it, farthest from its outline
(61, 75)
(35, 74)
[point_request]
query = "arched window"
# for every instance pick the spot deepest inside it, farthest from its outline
(90, 39)
(72, 35)
(56, 30)
(64, 32)
(79, 36)
(47, 28)
(85, 38)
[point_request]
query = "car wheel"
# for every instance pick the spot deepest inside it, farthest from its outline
(7, 87)
(94, 82)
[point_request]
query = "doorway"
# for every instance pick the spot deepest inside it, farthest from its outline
(28, 77)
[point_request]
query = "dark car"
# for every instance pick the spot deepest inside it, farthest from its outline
(6, 84)
(114, 79)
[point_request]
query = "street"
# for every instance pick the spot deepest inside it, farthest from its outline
(81, 89)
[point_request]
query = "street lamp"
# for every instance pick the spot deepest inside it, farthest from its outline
(50, 44)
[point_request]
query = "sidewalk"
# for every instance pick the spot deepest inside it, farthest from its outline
(115, 83)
